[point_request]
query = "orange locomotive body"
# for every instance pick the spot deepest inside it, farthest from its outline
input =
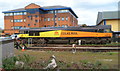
(96, 34)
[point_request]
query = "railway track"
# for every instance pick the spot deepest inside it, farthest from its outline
(84, 49)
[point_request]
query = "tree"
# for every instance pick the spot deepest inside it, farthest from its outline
(84, 25)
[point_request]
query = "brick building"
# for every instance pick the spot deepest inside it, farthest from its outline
(35, 16)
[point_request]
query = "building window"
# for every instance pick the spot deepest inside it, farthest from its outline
(11, 20)
(56, 11)
(28, 24)
(62, 18)
(59, 19)
(66, 18)
(11, 14)
(8, 14)
(35, 24)
(44, 19)
(17, 27)
(48, 19)
(66, 26)
(36, 21)
(63, 11)
(15, 13)
(19, 13)
(49, 12)
(18, 20)
(29, 16)
(24, 13)
(63, 26)
(36, 16)
(24, 20)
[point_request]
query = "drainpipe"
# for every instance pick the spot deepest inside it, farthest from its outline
(54, 18)
(104, 22)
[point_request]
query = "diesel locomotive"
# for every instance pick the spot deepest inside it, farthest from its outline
(87, 35)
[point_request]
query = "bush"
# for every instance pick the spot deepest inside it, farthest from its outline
(25, 58)
(97, 65)
(104, 67)
(9, 63)
(61, 64)
(84, 63)
(110, 53)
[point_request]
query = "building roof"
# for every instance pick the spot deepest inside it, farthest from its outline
(45, 8)
(107, 15)
(58, 7)
(18, 9)
(52, 7)
(15, 10)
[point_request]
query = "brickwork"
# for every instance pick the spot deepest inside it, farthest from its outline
(37, 19)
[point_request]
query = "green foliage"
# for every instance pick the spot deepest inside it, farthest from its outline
(104, 67)
(112, 53)
(26, 58)
(97, 64)
(43, 64)
(87, 64)
(9, 63)
(83, 25)
(61, 64)
(84, 62)
(69, 65)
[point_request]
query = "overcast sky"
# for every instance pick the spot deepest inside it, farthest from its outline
(86, 10)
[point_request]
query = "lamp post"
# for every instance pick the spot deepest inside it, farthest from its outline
(54, 18)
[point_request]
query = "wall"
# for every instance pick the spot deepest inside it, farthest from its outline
(6, 49)
(114, 24)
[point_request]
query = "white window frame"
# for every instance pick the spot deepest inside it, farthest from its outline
(66, 18)
(58, 18)
(48, 19)
(63, 18)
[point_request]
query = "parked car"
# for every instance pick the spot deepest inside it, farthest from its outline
(14, 36)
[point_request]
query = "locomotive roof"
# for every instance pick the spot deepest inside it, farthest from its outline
(67, 28)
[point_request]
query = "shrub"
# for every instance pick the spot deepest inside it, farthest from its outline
(68, 65)
(84, 63)
(110, 53)
(9, 63)
(61, 64)
(97, 65)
